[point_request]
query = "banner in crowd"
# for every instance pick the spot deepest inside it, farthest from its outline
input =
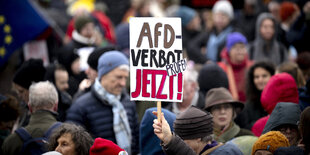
(156, 59)
(20, 22)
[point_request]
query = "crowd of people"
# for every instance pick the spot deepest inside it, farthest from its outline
(246, 85)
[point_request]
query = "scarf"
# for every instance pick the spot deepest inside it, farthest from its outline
(81, 39)
(120, 121)
(214, 42)
(228, 134)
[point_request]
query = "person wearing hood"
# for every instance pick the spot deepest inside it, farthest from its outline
(284, 118)
(280, 88)
(149, 142)
(59, 76)
(235, 63)
(265, 46)
(208, 45)
(220, 103)
(192, 135)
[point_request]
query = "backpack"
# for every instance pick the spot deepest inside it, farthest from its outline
(35, 146)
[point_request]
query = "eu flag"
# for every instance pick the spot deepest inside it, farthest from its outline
(20, 22)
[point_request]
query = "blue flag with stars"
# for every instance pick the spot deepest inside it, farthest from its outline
(19, 23)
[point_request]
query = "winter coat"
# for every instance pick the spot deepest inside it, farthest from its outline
(251, 113)
(239, 73)
(230, 133)
(97, 117)
(284, 113)
(39, 123)
(179, 147)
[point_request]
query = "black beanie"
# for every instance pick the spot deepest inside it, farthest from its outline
(94, 56)
(211, 76)
(31, 70)
(193, 123)
(80, 22)
(66, 58)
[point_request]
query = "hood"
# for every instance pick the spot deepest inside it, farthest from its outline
(280, 88)
(283, 113)
(259, 21)
(149, 142)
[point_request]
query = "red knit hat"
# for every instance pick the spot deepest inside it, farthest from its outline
(287, 9)
(103, 146)
(280, 88)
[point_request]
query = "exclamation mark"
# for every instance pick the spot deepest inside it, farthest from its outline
(180, 76)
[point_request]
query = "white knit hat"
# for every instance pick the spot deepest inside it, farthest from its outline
(225, 7)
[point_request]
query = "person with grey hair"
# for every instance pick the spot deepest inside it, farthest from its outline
(70, 139)
(191, 93)
(106, 110)
(43, 103)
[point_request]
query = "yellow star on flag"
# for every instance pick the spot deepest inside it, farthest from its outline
(7, 28)
(8, 39)
(2, 19)
(2, 51)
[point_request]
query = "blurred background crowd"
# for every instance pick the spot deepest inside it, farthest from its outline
(243, 56)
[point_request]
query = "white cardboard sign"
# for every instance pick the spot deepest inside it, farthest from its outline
(156, 59)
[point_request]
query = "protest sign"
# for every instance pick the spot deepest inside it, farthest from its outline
(156, 59)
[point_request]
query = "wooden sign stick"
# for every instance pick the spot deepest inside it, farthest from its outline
(159, 111)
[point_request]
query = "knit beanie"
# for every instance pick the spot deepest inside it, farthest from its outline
(235, 38)
(211, 76)
(186, 14)
(280, 88)
(287, 9)
(81, 21)
(193, 123)
(270, 141)
(92, 60)
(110, 60)
(103, 146)
(66, 58)
(225, 7)
(31, 70)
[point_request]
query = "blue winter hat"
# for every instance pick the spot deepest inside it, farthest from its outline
(235, 38)
(186, 14)
(110, 60)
